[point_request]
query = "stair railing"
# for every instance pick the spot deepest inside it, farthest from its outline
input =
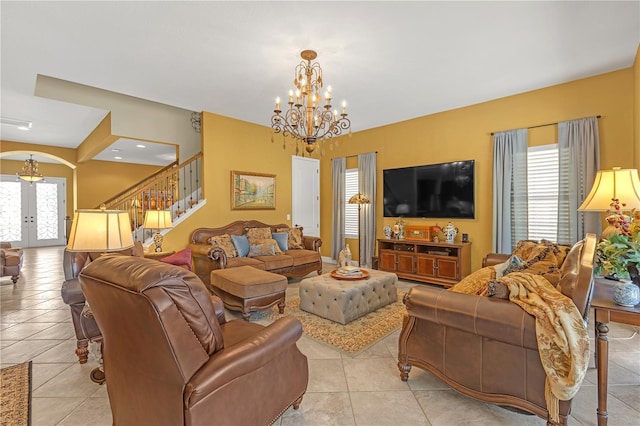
(177, 187)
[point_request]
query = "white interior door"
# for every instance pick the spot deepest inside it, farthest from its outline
(32, 215)
(305, 194)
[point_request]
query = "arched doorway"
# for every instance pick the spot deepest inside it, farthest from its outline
(33, 214)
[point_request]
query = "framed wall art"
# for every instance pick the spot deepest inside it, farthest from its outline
(252, 191)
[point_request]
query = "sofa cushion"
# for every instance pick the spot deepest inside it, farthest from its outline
(225, 243)
(295, 240)
(256, 234)
(241, 244)
(303, 257)
(276, 262)
(265, 249)
(245, 261)
(180, 258)
(272, 242)
(282, 238)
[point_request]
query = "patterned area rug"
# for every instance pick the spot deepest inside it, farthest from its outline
(15, 396)
(353, 337)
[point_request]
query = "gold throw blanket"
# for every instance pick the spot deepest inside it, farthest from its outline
(563, 342)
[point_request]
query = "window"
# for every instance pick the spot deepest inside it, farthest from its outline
(542, 192)
(350, 210)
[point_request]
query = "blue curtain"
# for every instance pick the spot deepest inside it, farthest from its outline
(510, 207)
(579, 161)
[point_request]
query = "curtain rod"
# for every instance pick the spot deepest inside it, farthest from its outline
(542, 125)
(349, 156)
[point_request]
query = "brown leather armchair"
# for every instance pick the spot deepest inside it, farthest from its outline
(170, 357)
(10, 261)
(486, 347)
(85, 327)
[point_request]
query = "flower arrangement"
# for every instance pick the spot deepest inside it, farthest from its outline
(618, 254)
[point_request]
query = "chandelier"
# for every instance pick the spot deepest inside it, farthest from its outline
(29, 171)
(307, 120)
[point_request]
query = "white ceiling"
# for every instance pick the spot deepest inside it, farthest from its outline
(391, 61)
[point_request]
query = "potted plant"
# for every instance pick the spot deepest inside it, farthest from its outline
(618, 254)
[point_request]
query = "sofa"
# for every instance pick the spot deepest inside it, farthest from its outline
(10, 261)
(172, 358)
(485, 346)
(293, 254)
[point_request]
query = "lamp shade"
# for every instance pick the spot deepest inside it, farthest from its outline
(100, 231)
(159, 219)
(622, 184)
(359, 199)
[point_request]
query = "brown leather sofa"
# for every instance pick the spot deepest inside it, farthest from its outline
(171, 358)
(10, 261)
(486, 347)
(292, 263)
(85, 327)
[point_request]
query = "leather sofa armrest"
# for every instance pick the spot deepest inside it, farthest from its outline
(244, 357)
(490, 317)
(206, 258)
(494, 258)
(312, 243)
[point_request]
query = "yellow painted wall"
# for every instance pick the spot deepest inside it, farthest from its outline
(229, 144)
(465, 133)
(97, 180)
(100, 180)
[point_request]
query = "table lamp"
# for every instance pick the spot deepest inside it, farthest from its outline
(158, 219)
(359, 199)
(100, 231)
(621, 184)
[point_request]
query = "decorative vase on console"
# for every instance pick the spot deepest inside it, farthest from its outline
(450, 232)
(626, 293)
(388, 232)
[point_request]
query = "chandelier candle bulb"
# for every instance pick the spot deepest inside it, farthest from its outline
(344, 107)
(278, 103)
(290, 96)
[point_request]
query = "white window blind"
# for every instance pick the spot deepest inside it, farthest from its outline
(350, 210)
(542, 190)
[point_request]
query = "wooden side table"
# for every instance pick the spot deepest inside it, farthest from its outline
(158, 254)
(604, 311)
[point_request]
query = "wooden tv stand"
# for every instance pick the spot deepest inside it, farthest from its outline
(419, 260)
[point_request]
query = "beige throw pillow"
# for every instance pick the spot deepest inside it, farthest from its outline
(256, 234)
(225, 243)
(295, 237)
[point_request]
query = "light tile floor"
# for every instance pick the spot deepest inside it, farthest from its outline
(364, 390)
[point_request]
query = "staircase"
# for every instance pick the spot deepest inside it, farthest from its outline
(177, 187)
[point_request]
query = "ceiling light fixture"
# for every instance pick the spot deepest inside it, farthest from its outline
(140, 146)
(20, 124)
(307, 120)
(29, 172)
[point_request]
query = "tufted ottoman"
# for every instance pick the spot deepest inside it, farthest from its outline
(343, 301)
(248, 289)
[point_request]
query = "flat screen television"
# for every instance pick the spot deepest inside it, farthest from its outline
(431, 191)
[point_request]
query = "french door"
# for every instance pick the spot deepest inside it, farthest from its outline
(32, 215)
